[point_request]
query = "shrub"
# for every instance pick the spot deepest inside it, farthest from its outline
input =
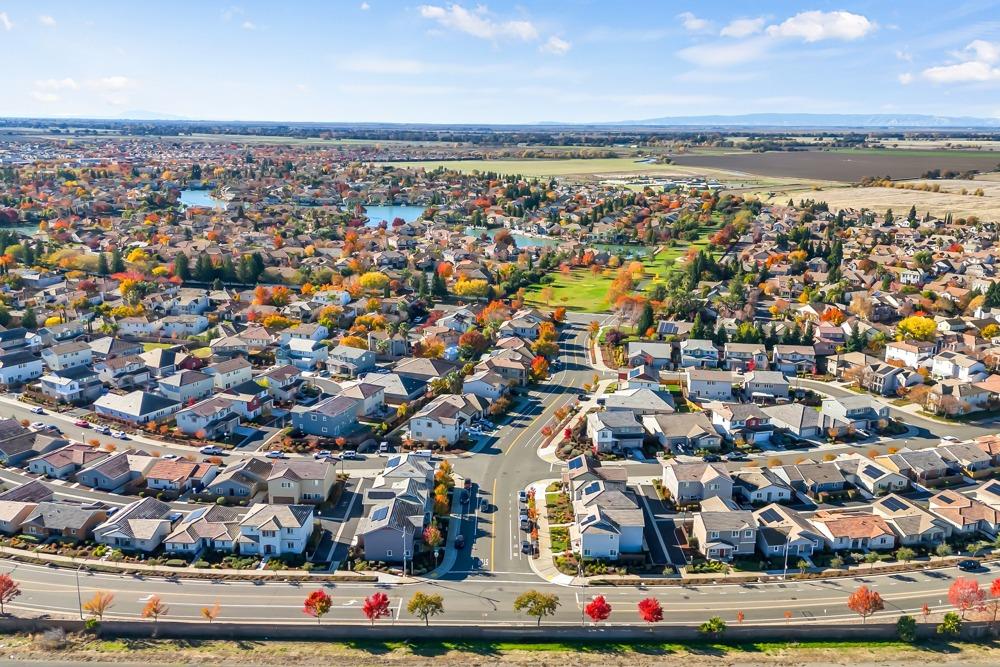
(950, 625)
(202, 563)
(176, 562)
(906, 628)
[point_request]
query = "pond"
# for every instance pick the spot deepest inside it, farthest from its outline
(199, 198)
(525, 241)
(378, 214)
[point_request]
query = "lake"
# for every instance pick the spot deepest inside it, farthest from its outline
(378, 214)
(200, 198)
(525, 241)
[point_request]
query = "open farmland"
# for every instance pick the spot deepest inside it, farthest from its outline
(948, 200)
(598, 167)
(847, 165)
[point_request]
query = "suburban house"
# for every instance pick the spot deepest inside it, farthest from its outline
(19, 367)
(67, 355)
(186, 386)
(275, 529)
(743, 422)
(115, 471)
(180, 476)
(965, 515)
(709, 384)
(764, 385)
(655, 356)
(226, 374)
(869, 475)
(794, 359)
(139, 526)
(857, 530)
(607, 523)
(64, 520)
(782, 531)
(401, 506)
(639, 401)
(862, 413)
(761, 486)
(614, 431)
(331, 417)
(799, 420)
(65, 461)
(723, 530)
(911, 353)
(745, 357)
(214, 528)
(293, 482)
(695, 482)
(446, 417)
(691, 431)
(349, 361)
(696, 353)
(911, 524)
(241, 480)
(138, 407)
(213, 418)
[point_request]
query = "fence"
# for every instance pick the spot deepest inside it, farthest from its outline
(527, 632)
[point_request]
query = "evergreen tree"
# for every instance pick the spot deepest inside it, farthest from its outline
(438, 286)
(698, 330)
(117, 263)
(645, 319)
(181, 268)
(721, 337)
(102, 264)
(29, 320)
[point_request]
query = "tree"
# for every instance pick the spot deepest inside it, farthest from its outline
(433, 537)
(211, 613)
(965, 594)
(645, 322)
(951, 625)
(905, 554)
(373, 281)
(98, 605)
(713, 627)
(376, 606)
(317, 605)
(916, 327)
(9, 589)
(154, 608)
(650, 610)
(906, 628)
(29, 320)
(424, 606)
(598, 609)
(537, 604)
(994, 604)
(864, 602)
(539, 368)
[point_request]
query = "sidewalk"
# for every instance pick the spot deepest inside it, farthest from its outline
(544, 566)
(454, 530)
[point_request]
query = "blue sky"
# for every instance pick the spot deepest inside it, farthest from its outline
(500, 62)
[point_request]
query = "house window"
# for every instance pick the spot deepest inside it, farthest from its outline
(388, 553)
(586, 552)
(747, 533)
(714, 534)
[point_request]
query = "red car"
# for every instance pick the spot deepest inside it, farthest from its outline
(82, 423)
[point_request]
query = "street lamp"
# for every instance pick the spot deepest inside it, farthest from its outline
(79, 597)
(784, 572)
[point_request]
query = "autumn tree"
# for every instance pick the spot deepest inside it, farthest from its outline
(376, 606)
(965, 594)
(9, 589)
(154, 608)
(539, 368)
(424, 605)
(650, 610)
(916, 327)
(598, 609)
(211, 613)
(865, 602)
(537, 604)
(373, 281)
(98, 605)
(317, 604)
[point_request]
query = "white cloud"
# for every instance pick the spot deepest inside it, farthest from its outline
(111, 83)
(42, 96)
(57, 84)
(5, 21)
(904, 56)
(906, 78)
(365, 7)
(972, 70)
(249, 25)
(555, 45)
(724, 54)
(692, 23)
(46, 20)
(987, 52)
(478, 22)
(977, 64)
(814, 26)
(743, 27)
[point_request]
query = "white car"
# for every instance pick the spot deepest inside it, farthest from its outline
(949, 438)
(103, 430)
(37, 410)
(169, 457)
(37, 426)
(211, 450)
(276, 455)
(121, 435)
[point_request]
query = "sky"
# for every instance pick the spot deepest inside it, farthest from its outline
(497, 62)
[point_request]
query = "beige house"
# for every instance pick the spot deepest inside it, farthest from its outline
(296, 482)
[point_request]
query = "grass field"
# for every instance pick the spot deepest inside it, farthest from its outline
(572, 167)
(949, 200)
(584, 291)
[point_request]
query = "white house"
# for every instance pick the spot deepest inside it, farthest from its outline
(19, 367)
(272, 530)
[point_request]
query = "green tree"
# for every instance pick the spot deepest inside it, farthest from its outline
(713, 627)
(537, 604)
(29, 320)
(906, 629)
(951, 625)
(102, 264)
(181, 268)
(905, 554)
(424, 606)
(645, 322)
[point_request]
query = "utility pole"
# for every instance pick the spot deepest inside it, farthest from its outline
(79, 597)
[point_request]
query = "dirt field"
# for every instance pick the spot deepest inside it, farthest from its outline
(596, 168)
(948, 200)
(844, 166)
(158, 652)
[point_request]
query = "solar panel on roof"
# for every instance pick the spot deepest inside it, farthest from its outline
(575, 463)
(947, 500)
(592, 487)
(873, 472)
(380, 513)
(394, 461)
(770, 516)
(894, 504)
(994, 488)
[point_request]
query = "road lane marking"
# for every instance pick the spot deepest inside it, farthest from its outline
(493, 528)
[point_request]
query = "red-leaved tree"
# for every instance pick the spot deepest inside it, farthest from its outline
(598, 609)
(376, 606)
(9, 589)
(864, 602)
(965, 594)
(317, 605)
(650, 610)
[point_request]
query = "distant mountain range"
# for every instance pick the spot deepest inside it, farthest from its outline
(809, 120)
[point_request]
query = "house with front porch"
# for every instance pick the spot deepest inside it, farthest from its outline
(782, 530)
(745, 357)
(275, 529)
(794, 359)
(699, 353)
(857, 530)
(614, 431)
(723, 530)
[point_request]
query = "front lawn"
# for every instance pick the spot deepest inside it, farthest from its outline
(559, 536)
(559, 508)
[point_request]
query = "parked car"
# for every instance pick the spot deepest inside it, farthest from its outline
(276, 455)
(737, 456)
(103, 430)
(322, 454)
(351, 455)
(211, 450)
(460, 542)
(711, 458)
(121, 435)
(170, 457)
(37, 426)
(82, 423)
(949, 438)
(384, 448)
(37, 410)
(526, 547)
(522, 496)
